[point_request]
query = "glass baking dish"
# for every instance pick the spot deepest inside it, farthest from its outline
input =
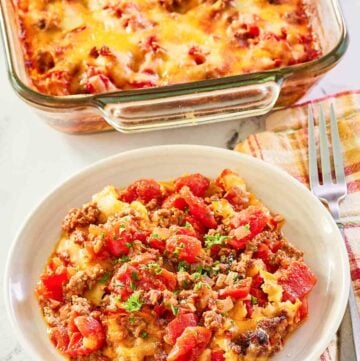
(192, 103)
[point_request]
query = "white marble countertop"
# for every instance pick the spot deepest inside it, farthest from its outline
(34, 157)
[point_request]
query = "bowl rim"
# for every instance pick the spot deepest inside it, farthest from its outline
(335, 322)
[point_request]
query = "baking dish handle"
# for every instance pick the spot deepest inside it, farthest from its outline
(166, 109)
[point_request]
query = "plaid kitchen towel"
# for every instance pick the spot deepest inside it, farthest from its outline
(284, 144)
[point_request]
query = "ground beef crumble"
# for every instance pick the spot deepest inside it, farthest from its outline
(80, 217)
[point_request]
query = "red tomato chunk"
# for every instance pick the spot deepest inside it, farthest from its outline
(297, 281)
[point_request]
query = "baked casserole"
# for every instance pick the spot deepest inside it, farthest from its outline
(186, 270)
(96, 46)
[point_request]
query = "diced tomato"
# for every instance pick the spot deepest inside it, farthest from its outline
(217, 355)
(257, 292)
(117, 243)
(236, 197)
(136, 275)
(198, 208)
(249, 308)
(120, 236)
(160, 310)
(174, 201)
(253, 31)
(185, 248)
(143, 189)
(186, 231)
(122, 280)
(53, 285)
(59, 337)
(276, 246)
(237, 292)
(254, 219)
(199, 228)
(303, 309)
(238, 244)
(142, 258)
(190, 344)
(177, 326)
(262, 252)
(253, 216)
(197, 183)
(89, 337)
(297, 281)
(198, 56)
(157, 243)
(168, 278)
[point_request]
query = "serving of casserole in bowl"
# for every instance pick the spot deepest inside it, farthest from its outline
(150, 64)
(197, 267)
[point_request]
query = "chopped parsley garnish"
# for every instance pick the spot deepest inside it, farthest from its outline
(254, 300)
(134, 276)
(154, 235)
(183, 266)
(196, 276)
(102, 235)
(133, 286)
(155, 267)
(214, 239)
(200, 285)
(144, 334)
(188, 225)
(121, 260)
(175, 310)
(186, 210)
(133, 303)
(104, 278)
(129, 244)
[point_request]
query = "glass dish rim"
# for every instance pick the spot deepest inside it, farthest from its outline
(80, 100)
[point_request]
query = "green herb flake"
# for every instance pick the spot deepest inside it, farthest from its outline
(154, 235)
(175, 310)
(121, 260)
(214, 239)
(134, 276)
(254, 300)
(105, 278)
(144, 334)
(188, 225)
(133, 303)
(183, 266)
(133, 286)
(155, 268)
(186, 210)
(124, 259)
(200, 285)
(129, 244)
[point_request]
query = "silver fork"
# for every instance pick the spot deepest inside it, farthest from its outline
(331, 191)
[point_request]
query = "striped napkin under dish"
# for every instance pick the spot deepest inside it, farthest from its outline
(284, 144)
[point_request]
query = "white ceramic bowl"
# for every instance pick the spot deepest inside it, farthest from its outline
(308, 226)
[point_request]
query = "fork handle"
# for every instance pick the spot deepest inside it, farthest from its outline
(355, 319)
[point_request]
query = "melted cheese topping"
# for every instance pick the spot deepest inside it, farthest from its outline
(93, 46)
